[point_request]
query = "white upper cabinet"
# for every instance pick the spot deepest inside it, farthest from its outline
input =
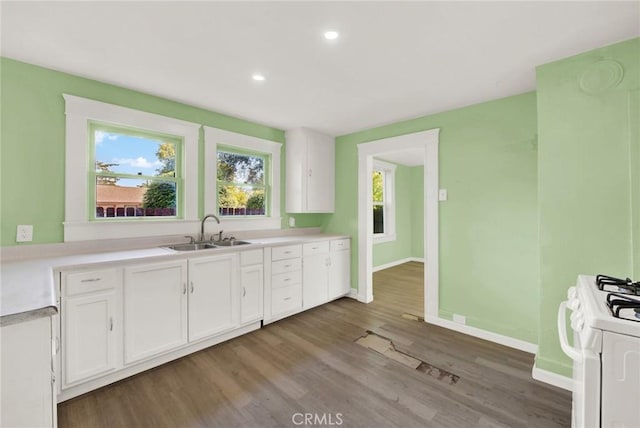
(310, 168)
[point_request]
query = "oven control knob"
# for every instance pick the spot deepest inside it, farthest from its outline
(574, 304)
(572, 293)
(577, 324)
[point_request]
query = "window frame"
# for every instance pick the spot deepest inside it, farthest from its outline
(266, 159)
(79, 114)
(388, 171)
(178, 180)
(245, 144)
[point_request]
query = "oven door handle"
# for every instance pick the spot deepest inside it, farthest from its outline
(571, 352)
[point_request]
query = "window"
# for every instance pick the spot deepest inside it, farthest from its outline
(242, 180)
(242, 189)
(126, 174)
(137, 174)
(383, 203)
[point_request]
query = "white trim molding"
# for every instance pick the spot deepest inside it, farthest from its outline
(551, 378)
(215, 136)
(531, 348)
(397, 263)
(77, 227)
(428, 141)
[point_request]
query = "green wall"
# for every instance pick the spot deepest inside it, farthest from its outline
(409, 201)
(488, 227)
(588, 163)
(387, 252)
(33, 143)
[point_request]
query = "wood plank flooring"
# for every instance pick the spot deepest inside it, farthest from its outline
(309, 363)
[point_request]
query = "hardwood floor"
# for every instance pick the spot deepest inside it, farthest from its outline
(310, 363)
(400, 289)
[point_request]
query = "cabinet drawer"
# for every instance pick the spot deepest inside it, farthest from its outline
(251, 257)
(282, 266)
(88, 282)
(287, 278)
(288, 252)
(286, 299)
(340, 244)
(312, 248)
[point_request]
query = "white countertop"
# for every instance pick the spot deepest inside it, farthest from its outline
(28, 288)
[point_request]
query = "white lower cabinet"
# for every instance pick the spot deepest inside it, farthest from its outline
(90, 339)
(155, 309)
(315, 280)
(212, 295)
(27, 377)
(251, 286)
(91, 327)
(326, 271)
(340, 269)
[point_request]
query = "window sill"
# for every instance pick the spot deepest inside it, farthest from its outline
(379, 239)
(118, 229)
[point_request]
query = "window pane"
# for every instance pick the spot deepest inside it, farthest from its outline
(378, 186)
(240, 168)
(135, 198)
(378, 219)
(137, 155)
(240, 200)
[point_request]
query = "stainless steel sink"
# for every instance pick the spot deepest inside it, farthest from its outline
(230, 243)
(192, 247)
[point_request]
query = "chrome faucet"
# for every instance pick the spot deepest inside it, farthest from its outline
(202, 224)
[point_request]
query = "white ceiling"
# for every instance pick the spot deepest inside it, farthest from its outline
(392, 61)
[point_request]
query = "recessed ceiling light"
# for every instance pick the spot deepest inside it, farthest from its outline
(258, 77)
(331, 35)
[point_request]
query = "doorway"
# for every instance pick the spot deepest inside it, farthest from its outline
(424, 144)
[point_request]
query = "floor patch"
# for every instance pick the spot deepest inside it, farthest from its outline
(385, 346)
(412, 317)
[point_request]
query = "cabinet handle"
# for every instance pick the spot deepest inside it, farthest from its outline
(110, 323)
(286, 280)
(287, 298)
(244, 291)
(90, 280)
(314, 248)
(287, 252)
(191, 287)
(310, 172)
(184, 288)
(57, 345)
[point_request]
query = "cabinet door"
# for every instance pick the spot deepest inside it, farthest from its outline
(340, 274)
(315, 280)
(251, 281)
(155, 309)
(321, 175)
(90, 335)
(26, 382)
(213, 297)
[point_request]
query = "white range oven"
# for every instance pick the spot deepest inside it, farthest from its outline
(605, 321)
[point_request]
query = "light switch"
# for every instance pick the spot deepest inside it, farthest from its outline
(24, 233)
(442, 195)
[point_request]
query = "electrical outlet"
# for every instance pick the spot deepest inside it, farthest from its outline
(292, 222)
(460, 319)
(442, 195)
(24, 233)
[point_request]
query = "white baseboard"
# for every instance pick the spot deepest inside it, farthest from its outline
(396, 263)
(531, 348)
(552, 378)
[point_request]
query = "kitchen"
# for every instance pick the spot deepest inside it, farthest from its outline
(520, 161)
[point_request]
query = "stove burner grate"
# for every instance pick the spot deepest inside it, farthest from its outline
(618, 285)
(624, 306)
